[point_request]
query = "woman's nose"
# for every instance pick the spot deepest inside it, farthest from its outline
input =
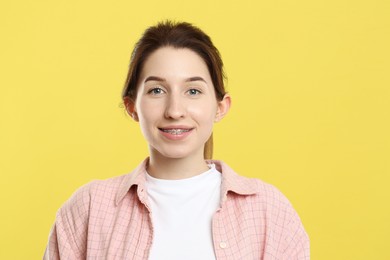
(175, 107)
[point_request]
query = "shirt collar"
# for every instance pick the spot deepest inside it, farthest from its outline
(231, 181)
(135, 178)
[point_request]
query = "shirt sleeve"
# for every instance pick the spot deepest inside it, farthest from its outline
(68, 236)
(296, 239)
(288, 238)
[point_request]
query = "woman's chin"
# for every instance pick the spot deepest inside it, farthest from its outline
(176, 154)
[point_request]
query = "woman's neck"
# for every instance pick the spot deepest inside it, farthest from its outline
(162, 167)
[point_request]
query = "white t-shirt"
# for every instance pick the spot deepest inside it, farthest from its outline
(182, 213)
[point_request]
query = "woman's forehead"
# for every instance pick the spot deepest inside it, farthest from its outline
(175, 63)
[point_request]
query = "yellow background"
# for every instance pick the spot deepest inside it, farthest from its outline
(310, 87)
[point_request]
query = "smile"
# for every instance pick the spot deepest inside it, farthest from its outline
(177, 131)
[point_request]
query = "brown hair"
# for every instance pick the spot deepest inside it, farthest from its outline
(176, 35)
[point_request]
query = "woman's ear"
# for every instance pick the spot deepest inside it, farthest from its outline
(130, 108)
(223, 107)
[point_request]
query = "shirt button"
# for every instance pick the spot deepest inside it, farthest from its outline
(222, 245)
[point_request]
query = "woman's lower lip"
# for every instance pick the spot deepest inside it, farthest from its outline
(175, 136)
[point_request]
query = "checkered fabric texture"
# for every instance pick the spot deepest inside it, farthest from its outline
(110, 219)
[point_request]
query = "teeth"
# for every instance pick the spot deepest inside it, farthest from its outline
(175, 131)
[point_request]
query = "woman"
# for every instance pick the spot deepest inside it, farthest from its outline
(177, 204)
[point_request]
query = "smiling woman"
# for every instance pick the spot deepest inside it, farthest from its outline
(178, 203)
(176, 107)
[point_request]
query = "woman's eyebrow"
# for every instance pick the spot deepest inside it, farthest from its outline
(196, 79)
(154, 78)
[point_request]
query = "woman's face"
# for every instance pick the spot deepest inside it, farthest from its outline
(176, 104)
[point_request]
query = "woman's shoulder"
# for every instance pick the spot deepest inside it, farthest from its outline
(94, 192)
(98, 193)
(243, 185)
(257, 191)
(269, 194)
(268, 203)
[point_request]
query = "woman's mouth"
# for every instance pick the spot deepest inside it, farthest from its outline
(175, 133)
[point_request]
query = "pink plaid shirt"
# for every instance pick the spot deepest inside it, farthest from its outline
(110, 219)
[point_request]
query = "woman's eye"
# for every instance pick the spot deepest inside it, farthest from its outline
(156, 91)
(193, 92)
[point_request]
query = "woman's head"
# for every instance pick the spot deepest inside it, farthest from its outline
(176, 36)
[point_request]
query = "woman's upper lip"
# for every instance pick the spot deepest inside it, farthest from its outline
(175, 127)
